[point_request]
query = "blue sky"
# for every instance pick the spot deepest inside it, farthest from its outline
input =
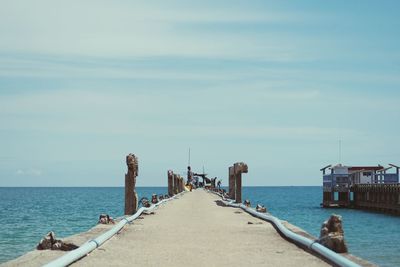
(275, 84)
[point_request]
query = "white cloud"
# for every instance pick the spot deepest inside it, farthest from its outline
(133, 113)
(138, 29)
(29, 172)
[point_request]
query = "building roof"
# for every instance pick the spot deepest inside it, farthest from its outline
(366, 168)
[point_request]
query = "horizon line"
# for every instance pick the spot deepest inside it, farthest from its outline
(11, 186)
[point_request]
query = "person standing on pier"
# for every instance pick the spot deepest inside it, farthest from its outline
(189, 177)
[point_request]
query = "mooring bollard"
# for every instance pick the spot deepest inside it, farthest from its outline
(131, 198)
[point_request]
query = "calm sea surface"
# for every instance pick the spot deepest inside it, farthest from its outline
(29, 213)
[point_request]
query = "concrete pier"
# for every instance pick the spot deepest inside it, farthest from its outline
(195, 230)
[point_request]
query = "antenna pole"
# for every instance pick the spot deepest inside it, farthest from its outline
(340, 151)
(189, 157)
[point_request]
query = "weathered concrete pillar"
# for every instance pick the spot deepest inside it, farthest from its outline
(181, 184)
(238, 192)
(239, 168)
(175, 184)
(170, 183)
(231, 183)
(235, 180)
(131, 198)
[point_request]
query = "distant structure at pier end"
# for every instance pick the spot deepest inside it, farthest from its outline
(365, 187)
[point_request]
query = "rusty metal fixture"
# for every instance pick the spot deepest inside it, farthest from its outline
(261, 208)
(105, 219)
(49, 241)
(145, 202)
(154, 199)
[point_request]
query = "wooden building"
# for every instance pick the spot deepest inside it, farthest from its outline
(366, 187)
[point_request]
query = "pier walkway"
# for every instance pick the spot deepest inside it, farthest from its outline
(196, 230)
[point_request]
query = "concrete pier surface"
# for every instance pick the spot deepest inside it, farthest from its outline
(196, 230)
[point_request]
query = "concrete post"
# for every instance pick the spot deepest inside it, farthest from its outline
(181, 183)
(235, 180)
(175, 183)
(170, 183)
(131, 198)
(231, 183)
(238, 178)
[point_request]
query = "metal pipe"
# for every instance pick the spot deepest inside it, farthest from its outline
(314, 246)
(91, 245)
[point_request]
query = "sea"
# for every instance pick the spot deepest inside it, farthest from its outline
(27, 214)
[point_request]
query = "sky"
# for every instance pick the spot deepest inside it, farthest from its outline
(275, 84)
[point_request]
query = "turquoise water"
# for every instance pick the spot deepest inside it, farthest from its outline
(372, 236)
(29, 213)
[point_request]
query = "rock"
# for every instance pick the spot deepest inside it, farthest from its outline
(145, 202)
(261, 208)
(105, 219)
(49, 241)
(69, 246)
(332, 234)
(154, 199)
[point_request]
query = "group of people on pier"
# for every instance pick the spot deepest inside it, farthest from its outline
(193, 180)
